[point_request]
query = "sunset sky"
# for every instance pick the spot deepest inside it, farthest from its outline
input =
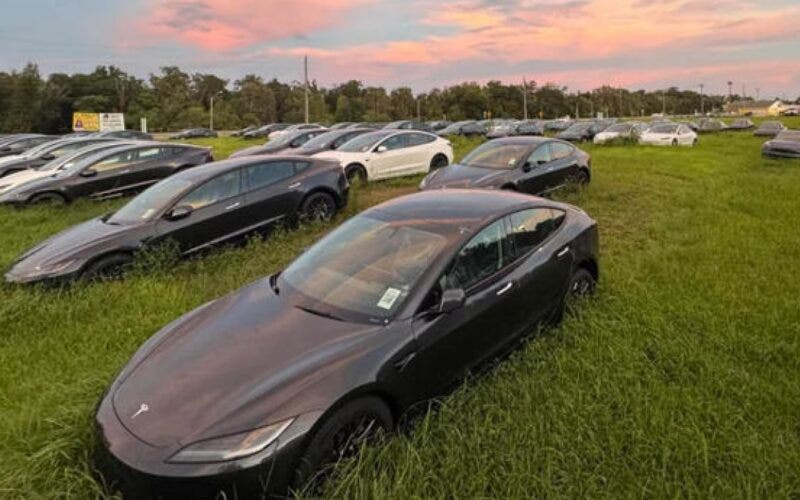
(422, 43)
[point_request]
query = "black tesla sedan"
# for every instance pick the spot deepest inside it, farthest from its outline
(284, 144)
(532, 165)
(194, 133)
(291, 372)
(769, 129)
(329, 141)
(577, 132)
(49, 151)
(110, 173)
(20, 143)
(785, 145)
(196, 209)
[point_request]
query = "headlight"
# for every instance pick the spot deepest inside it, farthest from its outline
(231, 447)
(52, 269)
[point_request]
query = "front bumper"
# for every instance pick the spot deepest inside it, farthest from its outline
(140, 470)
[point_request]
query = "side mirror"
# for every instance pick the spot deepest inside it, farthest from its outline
(381, 149)
(48, 157)
(526, 167)
(452, 299)
(179, 212)
(89, 172)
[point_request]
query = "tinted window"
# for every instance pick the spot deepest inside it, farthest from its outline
(217, 189)
(113, 162)
(529, 228)
(149, 154)
(346, 137)
(419, 139)
(560, 150)
(396, 142)
(479, 259)
(496, 155)
(264, 174)
(171, 151)
(540, 155)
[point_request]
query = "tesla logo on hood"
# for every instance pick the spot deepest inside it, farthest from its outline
(142, 409)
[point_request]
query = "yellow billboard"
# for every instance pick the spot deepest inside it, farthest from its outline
(85, 122)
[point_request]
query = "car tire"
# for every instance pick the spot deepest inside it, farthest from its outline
(50, 198)
(317, 206)
(437, 162)
(582, 177)
(339, 436)
(581, 284)
(674, 142)
(356, 174)
(109, 267)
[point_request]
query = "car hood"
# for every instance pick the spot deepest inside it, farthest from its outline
(232, 365)
(462, 176)
(69, 244)
(341, 156)
(261, 149)
(18, 178)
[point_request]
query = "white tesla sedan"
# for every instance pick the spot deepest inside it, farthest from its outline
(391, 153)
(669, 134)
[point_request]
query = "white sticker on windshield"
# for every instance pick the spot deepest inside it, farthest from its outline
(389, 298)
(148, 213)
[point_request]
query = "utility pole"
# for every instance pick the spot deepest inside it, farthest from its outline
(702, 105)
(305, 72)
(419, 115)
(211, 114)
(524, 99)
(663, 103)
(730, 91)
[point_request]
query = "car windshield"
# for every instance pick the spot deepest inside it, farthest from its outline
(150, 202)
(663, 129)
(579, 127)
(367, 266)
(66, 162)
(364, 142)
(496, 155)
(453, 127)
(321, 141)
(40, 149)
(789, 135)
(619, 128)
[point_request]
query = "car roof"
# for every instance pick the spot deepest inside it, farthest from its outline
(208, 170)
(526, 139)
(450, 210)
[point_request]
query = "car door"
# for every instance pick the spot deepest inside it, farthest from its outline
(542, 265)
(562, 167)
(145, 168)
(420, 153)
(215, 214)
(101, 179)
(271, 194)
(391, 162)
(449, 344)
(533, 171)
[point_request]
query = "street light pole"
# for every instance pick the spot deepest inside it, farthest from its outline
(702, 105)
(524, 99)
(305, 71)
(211, 114)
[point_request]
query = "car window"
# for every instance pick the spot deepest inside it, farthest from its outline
(419, 139)
(344, 138)
(148, 154)
(531, 227)
(113, 162)
(217, 189)
(264, 174)
(481, 257)
(540, 155)
(396, 142)
(560, 150)
(171, 151)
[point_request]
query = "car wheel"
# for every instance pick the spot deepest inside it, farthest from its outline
(340, 436)
(356, 174)
(581, 177)
(438, 162)
(674, 142)
(317, 207)
(581, 284)
(50, 198)
(108, 267)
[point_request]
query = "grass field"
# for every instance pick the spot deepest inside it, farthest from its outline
(680, 378)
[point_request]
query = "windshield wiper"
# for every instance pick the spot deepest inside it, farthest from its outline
(320, 313)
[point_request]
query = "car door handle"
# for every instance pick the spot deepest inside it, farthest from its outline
(562, 252)
(294, 186)
(506, 288)
(232, 206)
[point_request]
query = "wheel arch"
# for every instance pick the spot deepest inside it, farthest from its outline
(321, 189)
(117, 251)
(360, 165)
(590, 264)
(67, 198)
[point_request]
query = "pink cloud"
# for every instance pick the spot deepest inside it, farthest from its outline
(221, 25)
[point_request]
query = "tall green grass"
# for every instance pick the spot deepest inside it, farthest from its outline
(680, 378)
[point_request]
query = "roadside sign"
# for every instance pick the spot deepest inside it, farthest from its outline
(112, 122)
(85, 122)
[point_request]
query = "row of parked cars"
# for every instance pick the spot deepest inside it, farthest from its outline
(393, 304)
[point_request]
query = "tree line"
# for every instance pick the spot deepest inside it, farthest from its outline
(172, 99)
